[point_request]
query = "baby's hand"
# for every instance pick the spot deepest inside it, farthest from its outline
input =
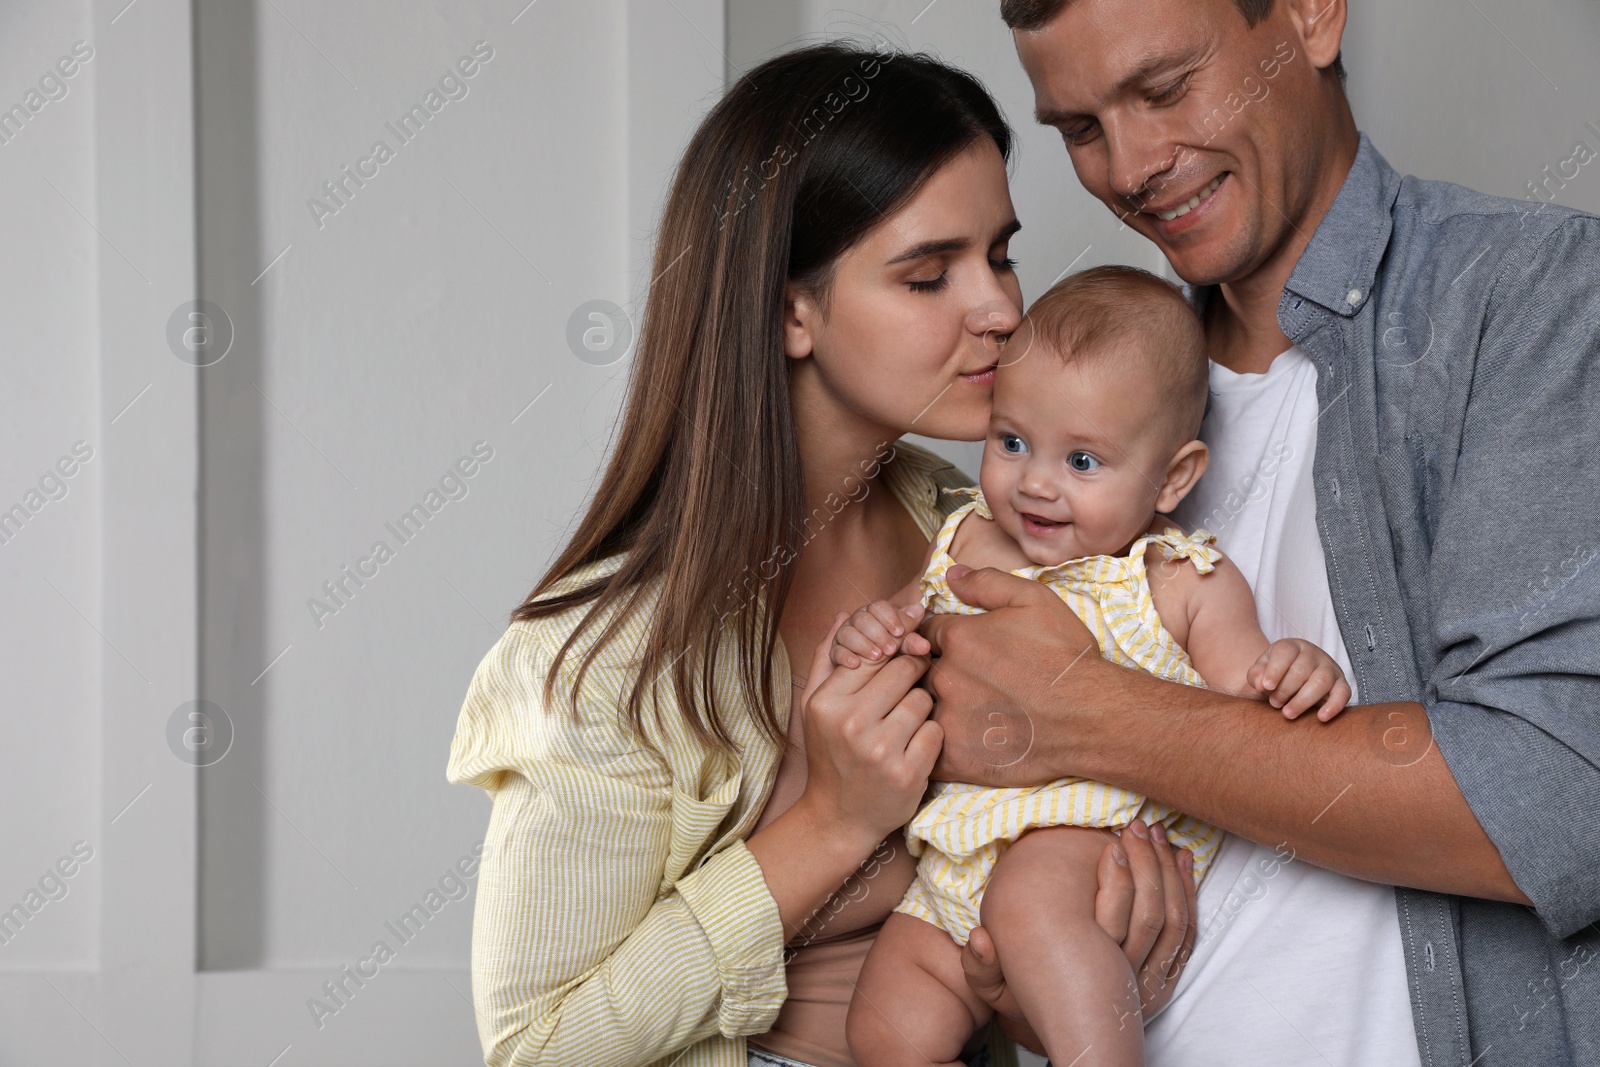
(878, 631)
(1296, 675)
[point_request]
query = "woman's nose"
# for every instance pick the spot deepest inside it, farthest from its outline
(993, 321)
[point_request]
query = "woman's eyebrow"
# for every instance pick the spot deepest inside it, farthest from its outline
(932, 248)
(951, 244)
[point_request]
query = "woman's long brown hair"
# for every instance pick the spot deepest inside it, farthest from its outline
(704, 494)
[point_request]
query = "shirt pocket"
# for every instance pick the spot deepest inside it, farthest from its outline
(695, 825)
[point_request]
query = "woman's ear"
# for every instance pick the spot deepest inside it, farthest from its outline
(1187, 465)
(801, 320)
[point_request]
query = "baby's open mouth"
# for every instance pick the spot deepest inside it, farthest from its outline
(1039, 524)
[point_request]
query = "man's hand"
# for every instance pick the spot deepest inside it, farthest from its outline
(997, 672)
(1146, 902)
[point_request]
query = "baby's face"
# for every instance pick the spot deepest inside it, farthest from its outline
(1075, 457)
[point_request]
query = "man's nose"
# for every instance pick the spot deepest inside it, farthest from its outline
(1137, 160)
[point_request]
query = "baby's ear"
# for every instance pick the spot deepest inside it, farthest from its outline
(1185, 469)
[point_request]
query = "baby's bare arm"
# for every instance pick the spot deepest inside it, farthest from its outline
(1214, 617)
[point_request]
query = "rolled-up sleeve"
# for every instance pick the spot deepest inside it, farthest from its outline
(1514, 702)
(581, 951)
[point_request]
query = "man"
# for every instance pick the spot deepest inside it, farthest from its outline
(1404, 430)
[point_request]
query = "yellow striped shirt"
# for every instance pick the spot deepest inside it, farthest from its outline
(620, 918)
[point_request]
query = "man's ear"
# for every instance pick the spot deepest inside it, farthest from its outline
(1187, 465)
(1321, 24)
(801, 321)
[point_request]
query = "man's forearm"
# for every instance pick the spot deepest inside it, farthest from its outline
(1367, 794)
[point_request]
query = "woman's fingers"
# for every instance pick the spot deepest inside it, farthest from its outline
(1113, 900)
(980, 963)
(1148, 911)
(1163, 958)
(822, 661)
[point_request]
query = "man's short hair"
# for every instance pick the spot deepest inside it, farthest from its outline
(1035, 14)
(1136, 319)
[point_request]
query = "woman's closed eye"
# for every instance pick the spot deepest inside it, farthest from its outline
(1003, 265)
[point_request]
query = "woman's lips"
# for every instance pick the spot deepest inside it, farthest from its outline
(983, 377)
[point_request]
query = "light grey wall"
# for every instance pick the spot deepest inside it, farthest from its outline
(49, 567)
(425, 318)
(1485, 93)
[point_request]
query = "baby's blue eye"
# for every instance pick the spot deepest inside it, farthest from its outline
(1013, 444)
(1082, 462)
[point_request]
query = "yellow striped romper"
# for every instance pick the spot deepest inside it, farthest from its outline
(961, 831)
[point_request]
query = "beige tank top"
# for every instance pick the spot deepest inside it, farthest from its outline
(825, 957)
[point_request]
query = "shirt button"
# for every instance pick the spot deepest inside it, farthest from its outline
(1353, 297)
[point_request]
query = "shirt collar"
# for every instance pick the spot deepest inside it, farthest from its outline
(1338, 267)
(914, 477)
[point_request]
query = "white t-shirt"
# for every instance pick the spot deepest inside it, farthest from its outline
(1293, 963)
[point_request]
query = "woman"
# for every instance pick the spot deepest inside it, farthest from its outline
(681, 787)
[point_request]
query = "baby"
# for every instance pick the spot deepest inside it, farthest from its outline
(1091, 443)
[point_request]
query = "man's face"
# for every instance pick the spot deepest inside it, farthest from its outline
(1204, 133)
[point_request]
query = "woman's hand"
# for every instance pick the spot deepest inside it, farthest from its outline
(869, 743)
(1146, 902)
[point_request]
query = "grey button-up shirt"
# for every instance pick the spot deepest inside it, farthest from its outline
(1457, 344)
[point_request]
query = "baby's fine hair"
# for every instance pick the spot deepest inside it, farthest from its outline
(1134, 317)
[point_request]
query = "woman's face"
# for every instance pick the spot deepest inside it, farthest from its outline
(920, 307)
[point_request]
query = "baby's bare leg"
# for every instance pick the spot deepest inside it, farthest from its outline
(912, 1004)
(1070, 979)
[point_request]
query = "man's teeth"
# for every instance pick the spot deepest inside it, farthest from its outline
(1193, 202)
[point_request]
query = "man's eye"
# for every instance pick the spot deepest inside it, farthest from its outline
(1011, 443)
(1079, 135)
(1171, 92)
(1082, 462)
